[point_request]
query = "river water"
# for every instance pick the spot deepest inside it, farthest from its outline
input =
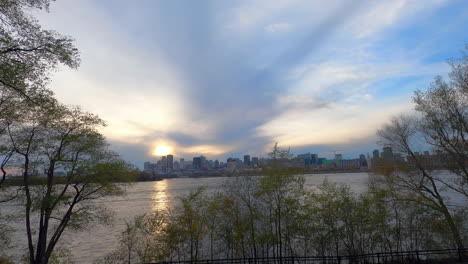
(144, 197)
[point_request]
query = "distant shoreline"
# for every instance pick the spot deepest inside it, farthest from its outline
(260, 174)
(17, 181)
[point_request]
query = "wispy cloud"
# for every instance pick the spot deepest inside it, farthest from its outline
(222, 78)
(278, 27)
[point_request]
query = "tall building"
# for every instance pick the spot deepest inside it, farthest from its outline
(307, 158)
(197, 163)
(387, 153)
(375, 154)
(164, 162)
(314, 159)
(247, 160)
(170, 162)
(369, 161)
(203, 162)
(362, 160)
(338, 156)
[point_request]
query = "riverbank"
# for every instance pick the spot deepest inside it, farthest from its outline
(260, 173)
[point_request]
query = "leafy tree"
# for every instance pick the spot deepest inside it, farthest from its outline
(189, 222)
(64, 159)
(281, 192)
(27, 55)
(242, 188)
(27, 52)
(142, 241)
(62, 148)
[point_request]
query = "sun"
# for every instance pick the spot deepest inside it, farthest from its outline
(162, 150)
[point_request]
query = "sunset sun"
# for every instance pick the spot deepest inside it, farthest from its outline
(162, 150)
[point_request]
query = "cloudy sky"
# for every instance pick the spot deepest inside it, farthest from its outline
(224, 78)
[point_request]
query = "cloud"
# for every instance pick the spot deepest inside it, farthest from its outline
(212, 150)
(225, 78)
(333, 124)
(278, 27)
(379, 16)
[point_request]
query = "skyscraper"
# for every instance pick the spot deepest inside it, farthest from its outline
(247, 160)
(203, 162)
(375, 154)
(362, 160)
(170, 162)
(197, 163)
(305, 157)
(387, 153)
(314, 159)
(164, 162)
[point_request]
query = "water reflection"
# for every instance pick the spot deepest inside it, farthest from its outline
(160, 200)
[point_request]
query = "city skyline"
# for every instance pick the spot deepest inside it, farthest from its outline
(211, 131)
(169, 167)
(220, 79)
(386, 152)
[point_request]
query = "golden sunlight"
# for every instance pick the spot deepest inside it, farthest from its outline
(160, 196)
(162, 150)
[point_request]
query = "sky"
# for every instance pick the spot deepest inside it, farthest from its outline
(227, 78)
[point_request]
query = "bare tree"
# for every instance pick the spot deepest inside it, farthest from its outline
(444, 122)
(417, 184)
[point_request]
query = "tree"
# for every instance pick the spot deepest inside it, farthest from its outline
(242, 188)
(27, 55)
(281, 191)
(65, 161)
(142, 241)
(66, 164)
(444, 122)
(27, 52)
(418, 183)
(189, 223)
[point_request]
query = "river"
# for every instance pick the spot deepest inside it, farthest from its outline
(144, 197)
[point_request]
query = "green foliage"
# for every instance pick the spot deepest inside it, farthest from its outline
(52, 138)
(142, 241)
(274, 215)
(65, 161)
(27, 52)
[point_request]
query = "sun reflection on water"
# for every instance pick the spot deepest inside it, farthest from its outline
(160, 200)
